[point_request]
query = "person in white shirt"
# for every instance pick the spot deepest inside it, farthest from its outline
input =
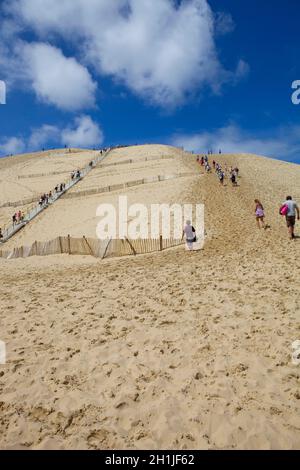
(190, 234)
(291, 215)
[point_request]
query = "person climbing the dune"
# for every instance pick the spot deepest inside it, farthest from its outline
(233, 178)
(20, 216)
(221, 177)
(259, 214)
(190, 234)
(289, 209)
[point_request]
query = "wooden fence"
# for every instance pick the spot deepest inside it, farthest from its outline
(122, 162)
(92, 247)
(129, 184)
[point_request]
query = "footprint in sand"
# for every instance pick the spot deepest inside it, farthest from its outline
(296, 353)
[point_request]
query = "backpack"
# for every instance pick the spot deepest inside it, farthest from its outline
(284, 210)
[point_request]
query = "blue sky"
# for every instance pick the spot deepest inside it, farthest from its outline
(201, 74)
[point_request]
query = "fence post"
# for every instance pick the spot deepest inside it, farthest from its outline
(69, 244)
(160, 243)
(106, 248)
(89, 246)
(60, 245)
(131, 246)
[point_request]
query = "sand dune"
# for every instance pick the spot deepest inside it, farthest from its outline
(164, 351)
(26, 177)
(62, 218)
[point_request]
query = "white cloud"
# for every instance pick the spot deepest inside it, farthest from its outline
(12, 145)
(56, 79)
(42, 136)
(160, 51)
(224, 23)
(85, 133)
(231, 139)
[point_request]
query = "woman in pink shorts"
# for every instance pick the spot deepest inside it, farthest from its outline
(259, 214)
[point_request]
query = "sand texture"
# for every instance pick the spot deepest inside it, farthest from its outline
(173, 350)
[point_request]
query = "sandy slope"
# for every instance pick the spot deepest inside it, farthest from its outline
(173, 350)
(26, 177)
(77, 217)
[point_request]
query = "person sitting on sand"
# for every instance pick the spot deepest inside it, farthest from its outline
(290, 216)
(259, 214)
